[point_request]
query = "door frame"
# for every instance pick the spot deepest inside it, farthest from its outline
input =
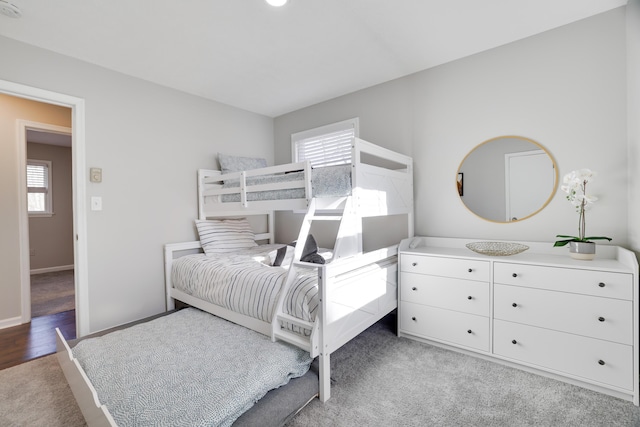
(78, 164)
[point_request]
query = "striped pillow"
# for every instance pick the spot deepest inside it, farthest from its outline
(225, 235)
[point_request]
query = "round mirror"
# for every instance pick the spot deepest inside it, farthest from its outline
(506, 179)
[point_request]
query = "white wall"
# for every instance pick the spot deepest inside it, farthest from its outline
(149, 142)
(633, 120)
(565, 89)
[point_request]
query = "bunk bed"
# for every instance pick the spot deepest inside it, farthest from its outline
(345, 295)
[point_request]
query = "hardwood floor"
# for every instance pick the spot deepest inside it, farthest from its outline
(22, 343)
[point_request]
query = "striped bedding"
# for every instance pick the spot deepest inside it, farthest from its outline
(242, 282)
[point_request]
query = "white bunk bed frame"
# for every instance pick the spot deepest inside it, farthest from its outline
(356, 289)
(353, 296)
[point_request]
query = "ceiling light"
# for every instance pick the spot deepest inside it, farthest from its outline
(10, 9)
(277, 3)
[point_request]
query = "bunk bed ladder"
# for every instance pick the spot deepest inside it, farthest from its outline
(310, 343)
(278, 332)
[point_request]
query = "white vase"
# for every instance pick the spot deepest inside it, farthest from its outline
(582, 250)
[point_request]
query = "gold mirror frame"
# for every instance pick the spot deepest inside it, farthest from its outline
(521, 145)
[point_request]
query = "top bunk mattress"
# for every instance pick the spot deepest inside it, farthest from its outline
(327, 181)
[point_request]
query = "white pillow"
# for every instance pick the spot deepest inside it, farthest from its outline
(225, 235)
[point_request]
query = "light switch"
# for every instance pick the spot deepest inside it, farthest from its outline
(95, 174)
(96, 203)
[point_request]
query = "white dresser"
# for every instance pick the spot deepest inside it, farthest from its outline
(540, 310)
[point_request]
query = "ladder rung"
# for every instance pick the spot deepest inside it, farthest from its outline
(293, 338)
(298, 322)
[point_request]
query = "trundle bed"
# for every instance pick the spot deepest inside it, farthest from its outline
(315, 306)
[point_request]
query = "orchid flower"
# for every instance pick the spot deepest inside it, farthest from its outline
(575, 185)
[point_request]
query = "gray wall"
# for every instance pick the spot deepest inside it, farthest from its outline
(51, 237)
(149, 142)
(633, 120)
(565, 89)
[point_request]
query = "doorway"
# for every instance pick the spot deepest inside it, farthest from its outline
(525, 196)
(50, 209)
(78, 200)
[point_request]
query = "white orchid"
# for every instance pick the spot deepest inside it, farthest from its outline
(575, 185)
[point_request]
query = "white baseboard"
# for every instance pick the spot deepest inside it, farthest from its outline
(52, 269)
(7, 323)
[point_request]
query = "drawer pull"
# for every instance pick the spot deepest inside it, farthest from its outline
(601, 284)
(470, 270)
(514, 342)
(414, 289)
(601, 319)
(601, 362)
(414, 264)
(514, 275)
(514, 305)
(414, 319)
(469, 331)
(469, 297)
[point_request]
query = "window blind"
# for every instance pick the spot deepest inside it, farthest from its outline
(326, 146)
(37, 178)
(39, 199)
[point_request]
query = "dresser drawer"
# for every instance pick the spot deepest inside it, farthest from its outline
(588, 282)
(454, 294)
(603, 318)
(592, 359)
(451, 327)
(447, 267)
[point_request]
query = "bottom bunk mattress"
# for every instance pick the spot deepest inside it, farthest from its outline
(245, 283)
(187, 368)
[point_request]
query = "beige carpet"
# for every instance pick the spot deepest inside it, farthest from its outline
(36, 394)
(52, 293)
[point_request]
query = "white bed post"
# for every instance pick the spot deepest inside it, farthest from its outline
(410, 219)
(324, 363)
(201, 176)
(324, 359)
(271, 224)
(168, 262)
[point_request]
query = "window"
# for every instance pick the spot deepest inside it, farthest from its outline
(326, 145)
(39, 187)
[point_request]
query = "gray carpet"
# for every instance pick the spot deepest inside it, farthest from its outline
(378, 380)
(382, 380)
(36, 394)
(52, 293)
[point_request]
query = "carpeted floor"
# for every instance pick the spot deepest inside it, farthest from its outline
(378, 380)
(52, 293)
(382, 380)
(36, 394)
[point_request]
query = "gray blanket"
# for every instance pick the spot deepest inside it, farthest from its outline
(189, 368)
(327, 181)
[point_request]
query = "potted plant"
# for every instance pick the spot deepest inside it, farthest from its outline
(575, 185)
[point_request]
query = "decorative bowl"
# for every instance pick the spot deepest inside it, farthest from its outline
(497, 248)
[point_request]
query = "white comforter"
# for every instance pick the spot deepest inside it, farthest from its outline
(242, 282)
